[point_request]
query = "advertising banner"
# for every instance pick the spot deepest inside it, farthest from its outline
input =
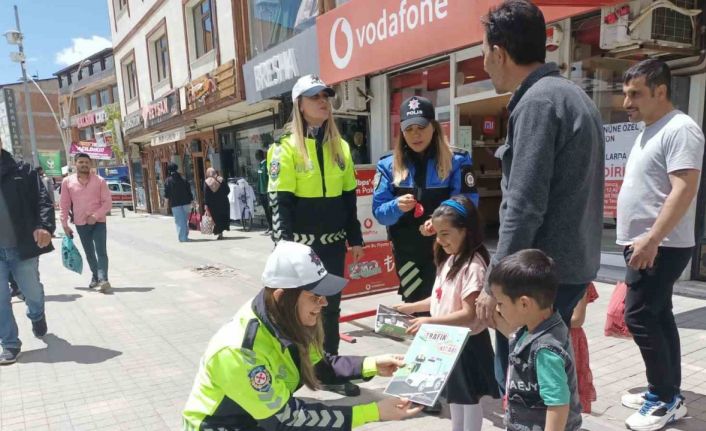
(50, 161)
(374, 273)
(94, 151)
(619, 139)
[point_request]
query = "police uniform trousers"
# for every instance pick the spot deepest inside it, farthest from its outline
(333, 256)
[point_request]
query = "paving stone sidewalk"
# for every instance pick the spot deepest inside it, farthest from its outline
(127, 360)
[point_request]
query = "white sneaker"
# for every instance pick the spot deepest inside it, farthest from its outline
(633, 401)
(655, 414)
(104, 286)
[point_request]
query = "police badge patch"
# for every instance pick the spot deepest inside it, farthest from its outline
(468, 183)
(260, 379)
(468, 178)
(274, 169)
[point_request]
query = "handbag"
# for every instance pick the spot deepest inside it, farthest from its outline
(615, 325)
(194, 219)
(70, 256)
(207, 224)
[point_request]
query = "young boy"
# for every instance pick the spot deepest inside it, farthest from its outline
(541, 380)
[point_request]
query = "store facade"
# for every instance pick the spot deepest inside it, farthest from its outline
(447, 68)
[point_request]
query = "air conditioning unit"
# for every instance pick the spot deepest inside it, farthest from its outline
(350, 96)
(667, 23)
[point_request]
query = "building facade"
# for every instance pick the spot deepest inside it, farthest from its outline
(88, 95)
(14, 125)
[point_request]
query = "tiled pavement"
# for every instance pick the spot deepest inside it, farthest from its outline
(127, 360)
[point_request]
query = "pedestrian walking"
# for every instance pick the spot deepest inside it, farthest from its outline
(312, 190)
(86, 197)
(421, 172)
(461, 260)
(552, 161)
(656, 219)
(542, 392)
(215, 192)
(177, 192)
(262, 180)
(26, 226)
(48, 183)
(272, 347)
(579, 342)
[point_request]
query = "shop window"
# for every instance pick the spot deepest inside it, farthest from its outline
(82, 104)
(471, 78)
(161, 52)
(355, 131)
(432, 82)
(116, 94)
(203, 27)
(274, 21)
(86, 134)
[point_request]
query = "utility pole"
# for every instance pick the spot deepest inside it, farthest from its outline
(28, 100)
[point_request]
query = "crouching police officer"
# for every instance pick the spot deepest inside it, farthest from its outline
(273, 346)
(312, 193)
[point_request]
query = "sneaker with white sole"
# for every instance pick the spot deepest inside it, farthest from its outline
(104, 286)
(633, 401)
(93, 284)
(655, 414)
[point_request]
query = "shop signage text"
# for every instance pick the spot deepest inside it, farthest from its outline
(619, 139)
(132, 121)
(90, 118)
(94, 151)
(170, 136)
(50, 162)
(276, 70)
(356, 41)
(9, 126)
(161, 110)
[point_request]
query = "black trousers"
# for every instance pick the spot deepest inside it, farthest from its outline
(333, 256)
(264, 201)
(649, 316)
(567, 297)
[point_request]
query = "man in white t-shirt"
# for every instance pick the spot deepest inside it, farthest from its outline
(656, 218)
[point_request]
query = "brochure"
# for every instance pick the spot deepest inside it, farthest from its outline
(428, 363)
(392, 323)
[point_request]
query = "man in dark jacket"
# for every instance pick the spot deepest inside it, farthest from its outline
(552, 161)
(26, 227)
(177, 192)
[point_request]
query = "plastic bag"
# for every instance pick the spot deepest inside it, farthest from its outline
(194, 219)
(207, 224)
(70, 256)
(615, 325)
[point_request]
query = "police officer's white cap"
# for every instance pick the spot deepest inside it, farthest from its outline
(292, 265)
(310, 85)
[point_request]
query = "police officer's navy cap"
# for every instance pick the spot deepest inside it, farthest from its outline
(416, 110)
(310, 85)
(292, 265)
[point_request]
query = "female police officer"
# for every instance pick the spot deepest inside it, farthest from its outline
(420, 173)
(273, 345)
(312, 193)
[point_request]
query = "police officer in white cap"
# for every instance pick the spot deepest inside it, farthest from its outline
(272, 347)
(312, 193)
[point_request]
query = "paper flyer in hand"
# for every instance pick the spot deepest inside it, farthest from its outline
(428, 363)
(392, 323)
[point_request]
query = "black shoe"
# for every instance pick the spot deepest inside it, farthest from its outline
(9, 356)
(347, 389)
(433, 410)
(39, 328)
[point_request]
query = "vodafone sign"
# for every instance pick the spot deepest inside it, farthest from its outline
(365, 36)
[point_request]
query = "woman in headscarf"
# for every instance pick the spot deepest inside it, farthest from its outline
(215, 192)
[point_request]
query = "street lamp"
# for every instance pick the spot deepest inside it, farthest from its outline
(15, 37)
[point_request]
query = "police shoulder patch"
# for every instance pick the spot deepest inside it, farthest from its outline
(468, 181)
(274, 169)
(260, 379)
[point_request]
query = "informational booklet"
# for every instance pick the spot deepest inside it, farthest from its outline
(428, 363)
(392, 323)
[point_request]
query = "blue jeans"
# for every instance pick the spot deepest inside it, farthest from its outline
(181, 219)
(26, 273)
(93, 237)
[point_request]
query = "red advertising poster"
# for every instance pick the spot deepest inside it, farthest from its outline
(374, 273)
(619, 139)
(376, 270)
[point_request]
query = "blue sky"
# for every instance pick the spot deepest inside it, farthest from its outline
(57, 33)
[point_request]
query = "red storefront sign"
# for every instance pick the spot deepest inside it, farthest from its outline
(355, 41)
(86, 120)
